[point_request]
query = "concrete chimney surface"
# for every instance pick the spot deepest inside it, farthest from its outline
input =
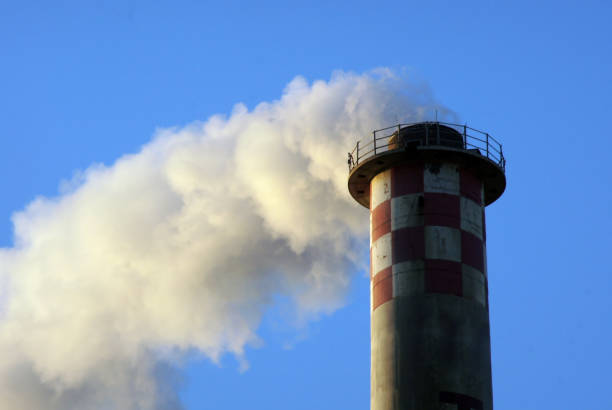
(430, 339)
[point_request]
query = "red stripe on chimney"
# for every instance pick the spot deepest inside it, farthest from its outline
(382, 287)
(406, 179)
(470, 186)
(408, 244)
(443, 277)
(381, 220)
(442, 210)
(472, 252)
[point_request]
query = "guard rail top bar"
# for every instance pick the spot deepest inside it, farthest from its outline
(381, 141)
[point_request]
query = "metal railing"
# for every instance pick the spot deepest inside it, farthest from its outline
(383, 140)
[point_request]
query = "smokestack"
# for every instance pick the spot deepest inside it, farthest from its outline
(426, 185)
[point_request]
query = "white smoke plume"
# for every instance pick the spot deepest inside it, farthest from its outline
(185, 244)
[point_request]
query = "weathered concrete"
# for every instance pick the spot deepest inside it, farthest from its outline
(406, 211)
(471, 217)
(441, 344)
(429, 309)
(426, 344)
(442, 242)
(442, 177)
(384, 394)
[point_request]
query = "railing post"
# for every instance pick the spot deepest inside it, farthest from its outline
(374, 136)
(357, 153)
(397, 143)
(464, 137)
(487, 145)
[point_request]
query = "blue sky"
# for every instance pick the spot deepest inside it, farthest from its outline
(86, 83)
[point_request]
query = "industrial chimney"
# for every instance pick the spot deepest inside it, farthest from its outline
(426, 185)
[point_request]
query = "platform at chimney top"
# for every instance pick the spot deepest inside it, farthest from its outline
(427, 142)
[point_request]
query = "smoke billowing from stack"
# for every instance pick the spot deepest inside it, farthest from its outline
(184, 245)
